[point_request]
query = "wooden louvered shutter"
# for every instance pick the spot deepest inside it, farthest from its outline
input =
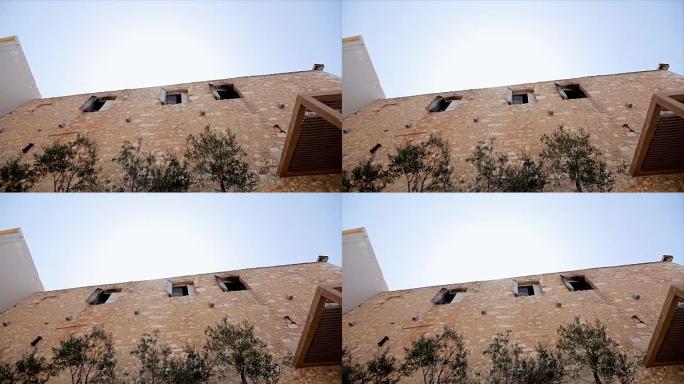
(515, 287)
(88, 104)
(94, 296)
(439, 297)
(221, 283)
(214, 91)
(162, 96)
(509, 95)
(567, 283)
(560, 91)
(434, 106)
(531, 98)
(169, 287)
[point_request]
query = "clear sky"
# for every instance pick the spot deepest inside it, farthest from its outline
(87, 46)
(88, 239)
(431, 239)
(424, 47)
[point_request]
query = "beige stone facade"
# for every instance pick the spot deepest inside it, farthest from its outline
(612, 102)
(180, 320)
(257, 119)
(531, 319)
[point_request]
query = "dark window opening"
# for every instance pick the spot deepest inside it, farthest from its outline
(173, 98)
(525, 290)
(97, 103)
(573, 91)
(36, 341)
(181, 290)
(451, 296)
(579, 283)
(520, 98)
(27, 148)
(234, 283)
(441, 104)
(226, 92)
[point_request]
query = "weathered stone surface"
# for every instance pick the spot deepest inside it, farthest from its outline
(484, 113)
(531, 319)
(165, 127)
(180, 320)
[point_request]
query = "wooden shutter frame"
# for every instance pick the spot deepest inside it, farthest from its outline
(434, 104)
(509, 95)
(214, 91)
(560, 91)
(169, 288)
(221, 283)
(185, 98)
(440, 296)
(515, 287)
(162, 96)
(88, 103)
(537, 289)
(567, 284)
(531, 98)
(191, 289)
(94, 296)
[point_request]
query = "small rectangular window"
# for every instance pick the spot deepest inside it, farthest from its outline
(520, 98)
(180, 289)
(570, 91)
(172, 97)
(577, 283)
(449, 296)
(103, 296)
(224, 91)
(95, 104)
(441, 104)
(525, 290)
(231, 283)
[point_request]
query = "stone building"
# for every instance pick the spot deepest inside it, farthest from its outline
(641, 304)
(260, 110)
(291, 306)
(620, 111)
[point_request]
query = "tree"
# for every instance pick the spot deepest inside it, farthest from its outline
(509, 366)
(32, 369)
(495, 173)
(16, 176)
(236, 347)
(366, 177)
(382, 369)
(191, 368)
(441, 359)
(144, 173)
(426, 166)
(571, 155)
(7, 374)
(219, 158)
(90, 358)
(154, 359)
(587, 346)
(71, 165)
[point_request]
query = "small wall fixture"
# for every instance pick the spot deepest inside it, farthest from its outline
(290, 296)
(408, 125)
(281, 106)
(550, 112)
(415, 317)
(6, 323)
(203, 113)
(475, 120)
(636, 296)
(136, 312)
(628, 105)
(383, 341)
(558, 304)
(322, 259)
(62, 124)
(667, 258)
(483, 311)
(211, 304)
(128, 119)
(352, 323)
(69, 317)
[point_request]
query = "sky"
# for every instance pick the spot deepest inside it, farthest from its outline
(89, 239)
(433, 239)
(82, 47)
(428, 47)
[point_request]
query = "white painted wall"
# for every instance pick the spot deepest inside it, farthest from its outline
(17, 85)
(361, 273)
(360, 83)
(18, 275)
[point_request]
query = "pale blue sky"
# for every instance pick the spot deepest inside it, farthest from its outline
(431, 239)
(423, 47)
(88, 239)
(86, 46)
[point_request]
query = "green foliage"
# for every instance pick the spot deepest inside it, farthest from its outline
(158, 366)
(154, 359)
(7, 375)
(425, 166)
(587, 346)
(509, 366)
(236, 347)
(441, 359)
(366, 177)
(144, 173)
(89, 358)
(16, 176)
(72, 165)
(382, 369)
(571, 155)
(219, 158)
(32, 369)
(495, 173)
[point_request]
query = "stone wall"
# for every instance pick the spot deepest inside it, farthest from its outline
(518, 127)
(256, 119)
(531, 319)
(180, 320)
